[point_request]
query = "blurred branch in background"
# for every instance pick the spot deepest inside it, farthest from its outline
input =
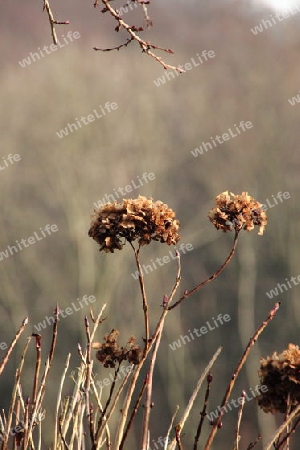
(52, 21)
(132, 30)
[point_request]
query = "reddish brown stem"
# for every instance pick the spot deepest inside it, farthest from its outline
(187, 294)
(236, 372)
(13, 343)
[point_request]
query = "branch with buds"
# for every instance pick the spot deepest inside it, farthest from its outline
(132, 30)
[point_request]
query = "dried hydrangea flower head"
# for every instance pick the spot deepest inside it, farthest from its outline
(281, 374)
(140, 218)
(110, 353)
(237, 212)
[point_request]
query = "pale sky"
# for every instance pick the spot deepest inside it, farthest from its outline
(278, 5)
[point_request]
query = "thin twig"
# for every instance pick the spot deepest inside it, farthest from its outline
(177, 437)
(148, 403)
(71, 410)
(37, 366)
(292, 431)
(134, 411)
(58, 402)
(14, 394)
(145, 46)
(41, 391)
(170, 427)
(144, 296)
(52, 21)
(25, 425)
(282, 427)
(237, 431)
(237, 370)
(189, 406)
(127, 401)
(158, 329)
(253, 444)
(212, 277)
(89, 366)
(112, 387)
(112, 408)
(157, 338)
(118, 47)
(13, 343)
(62, 436)
(209, 379)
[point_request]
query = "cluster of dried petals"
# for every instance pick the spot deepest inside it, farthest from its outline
(110, 353)
(237, 212)
(281, 374)
(139, 218)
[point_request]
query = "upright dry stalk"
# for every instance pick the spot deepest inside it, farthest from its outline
(14, 394)
(37, 366)
(237, 431)
(157, 338)
(236, 372)
(283, 427)
(41, 391)
(12, 344)
(147, 406)
(209, 379)
(58, 402)
(144, 296)
(186, 413)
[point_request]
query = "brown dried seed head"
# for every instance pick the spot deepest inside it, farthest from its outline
(237, 212)
(135, 219)
(281, 374)
(110, 353)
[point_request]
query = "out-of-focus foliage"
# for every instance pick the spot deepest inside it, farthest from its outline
(154, 129)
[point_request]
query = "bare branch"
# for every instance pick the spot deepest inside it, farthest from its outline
(52, 21)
